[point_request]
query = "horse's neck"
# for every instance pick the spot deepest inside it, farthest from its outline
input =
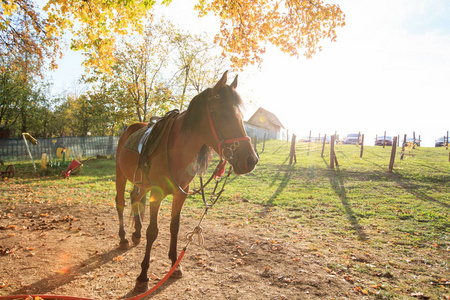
(185, 147)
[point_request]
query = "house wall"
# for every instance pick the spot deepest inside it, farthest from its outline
(259, 119)
(259, 132)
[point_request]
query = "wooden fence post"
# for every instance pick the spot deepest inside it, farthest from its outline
(324, 142)
(294, 137)
(332, 155)
(292, 155)
(384, 140)
(264, 143)
(394, 148)
(403, 148)
(362, 146)
(447, 141)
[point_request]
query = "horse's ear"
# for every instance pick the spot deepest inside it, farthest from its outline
(220, 84)
(234, 84)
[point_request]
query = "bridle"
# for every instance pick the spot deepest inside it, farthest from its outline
(226, 146)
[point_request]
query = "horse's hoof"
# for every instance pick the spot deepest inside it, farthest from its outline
(177, 273)
(124, 245)
(135, 240)
(141, 286)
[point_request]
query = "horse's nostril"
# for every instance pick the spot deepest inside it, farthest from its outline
(252, 160)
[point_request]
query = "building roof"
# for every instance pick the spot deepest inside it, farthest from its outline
(271, 117)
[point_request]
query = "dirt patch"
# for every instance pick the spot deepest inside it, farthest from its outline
(72, 249)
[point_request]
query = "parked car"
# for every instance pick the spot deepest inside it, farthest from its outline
(440, 142)
(351, 139)
(381, 140)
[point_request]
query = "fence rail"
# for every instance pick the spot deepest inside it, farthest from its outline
(15, 149)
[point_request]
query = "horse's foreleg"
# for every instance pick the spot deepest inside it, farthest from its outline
(120, 205)
(137, 208)
(152, 234)
(177, 205)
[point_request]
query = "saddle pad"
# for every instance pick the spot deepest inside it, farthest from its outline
(132, 143)
(145, 140)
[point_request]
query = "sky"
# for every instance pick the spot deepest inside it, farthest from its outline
(389, 70)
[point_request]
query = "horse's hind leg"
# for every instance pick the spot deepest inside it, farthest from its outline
(121, 182)
(138, 200)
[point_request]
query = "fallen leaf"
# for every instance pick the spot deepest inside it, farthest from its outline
(420, 296)
(154, 277)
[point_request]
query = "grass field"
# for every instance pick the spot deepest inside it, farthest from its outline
(412, 203)
(386, 233)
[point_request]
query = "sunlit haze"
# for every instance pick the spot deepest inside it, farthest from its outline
(388, 71)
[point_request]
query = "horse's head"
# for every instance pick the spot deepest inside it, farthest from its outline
(229, 138)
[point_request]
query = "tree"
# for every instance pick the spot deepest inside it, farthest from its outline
(160, 70)
(11, 90)
(138, 71)
(199, 65)
(25, 42)
(246, 26)
(291, 25)
(24, 104)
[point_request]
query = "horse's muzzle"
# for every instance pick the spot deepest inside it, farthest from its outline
(245, 163)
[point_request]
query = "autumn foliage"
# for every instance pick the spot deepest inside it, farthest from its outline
(291, 25)
(247, 26)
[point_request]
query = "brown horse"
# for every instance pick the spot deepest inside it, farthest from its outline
(212, 120)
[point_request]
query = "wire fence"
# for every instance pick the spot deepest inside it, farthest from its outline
(16, 150)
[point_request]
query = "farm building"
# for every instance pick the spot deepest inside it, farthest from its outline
(264, 122)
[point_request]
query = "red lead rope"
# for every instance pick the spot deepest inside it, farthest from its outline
(220, 170)
(45, 297)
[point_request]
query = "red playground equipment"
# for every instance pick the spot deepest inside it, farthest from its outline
(73, 165)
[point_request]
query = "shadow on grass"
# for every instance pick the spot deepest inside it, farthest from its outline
(279, 148)
(280, 168)
(337, 184)
(283, 184)
(416, 190)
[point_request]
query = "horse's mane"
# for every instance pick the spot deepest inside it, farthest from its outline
(197, 110)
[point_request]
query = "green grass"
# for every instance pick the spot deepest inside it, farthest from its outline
(401, 220)
(358, 192)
